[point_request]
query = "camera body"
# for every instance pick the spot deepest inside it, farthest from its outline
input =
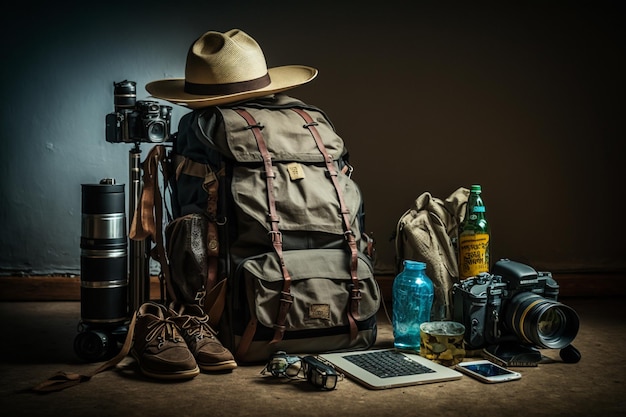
(513, 304)
(137, 121)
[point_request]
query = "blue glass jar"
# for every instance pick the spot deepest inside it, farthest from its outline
(412, 297)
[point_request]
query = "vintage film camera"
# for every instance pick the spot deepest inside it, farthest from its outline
(514, 305)
(136, 121)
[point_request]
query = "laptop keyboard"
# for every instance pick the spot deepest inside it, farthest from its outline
(387, 364)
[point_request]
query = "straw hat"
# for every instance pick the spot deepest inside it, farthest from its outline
(224, 68)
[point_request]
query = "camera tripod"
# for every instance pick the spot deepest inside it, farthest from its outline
(139, 272)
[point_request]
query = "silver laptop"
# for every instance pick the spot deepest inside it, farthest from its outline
(389, 368)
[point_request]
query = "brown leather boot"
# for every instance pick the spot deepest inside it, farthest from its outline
(193, 324)
(159, 347)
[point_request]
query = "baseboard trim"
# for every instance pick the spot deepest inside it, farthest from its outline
(60, 288)
(51, 288)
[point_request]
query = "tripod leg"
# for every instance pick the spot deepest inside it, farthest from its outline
(139, 279)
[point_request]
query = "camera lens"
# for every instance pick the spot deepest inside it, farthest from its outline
(550, 322)
(156, 131)
(125, 95)
(545, 323)
(93, 345)
(103, 261)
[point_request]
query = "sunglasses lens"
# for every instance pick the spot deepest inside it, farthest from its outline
(281, 364)
(331, 382)
(320, 374)
(277, 366)
(293, 369)
(321, 380)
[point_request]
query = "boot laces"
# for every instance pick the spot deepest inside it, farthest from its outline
(197, 327)
(162, 331)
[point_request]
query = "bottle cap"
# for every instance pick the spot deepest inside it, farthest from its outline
(476, 188)
(409, 264)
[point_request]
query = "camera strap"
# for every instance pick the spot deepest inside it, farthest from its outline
(62, 380)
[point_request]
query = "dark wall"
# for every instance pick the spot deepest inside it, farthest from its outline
(526, 99)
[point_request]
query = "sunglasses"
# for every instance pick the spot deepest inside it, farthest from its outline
(319, 374)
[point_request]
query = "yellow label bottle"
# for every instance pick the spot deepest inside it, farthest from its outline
(474, 237)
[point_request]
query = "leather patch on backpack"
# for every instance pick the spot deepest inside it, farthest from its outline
(319, 311)
(295, 171)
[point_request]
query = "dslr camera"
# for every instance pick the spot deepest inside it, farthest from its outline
(515, 304)
(136, 121)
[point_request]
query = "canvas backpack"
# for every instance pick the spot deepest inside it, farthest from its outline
(426, 233)
(267, 230)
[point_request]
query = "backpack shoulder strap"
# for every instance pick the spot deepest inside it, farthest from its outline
(286, 299)
(355, 292)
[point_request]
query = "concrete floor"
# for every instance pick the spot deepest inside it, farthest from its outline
(38, 336)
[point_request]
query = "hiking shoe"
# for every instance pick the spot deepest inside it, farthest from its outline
(202, 340)
(159, 347)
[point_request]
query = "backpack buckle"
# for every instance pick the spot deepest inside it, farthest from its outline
(276, 236)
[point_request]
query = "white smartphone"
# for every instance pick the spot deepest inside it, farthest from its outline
(487, 371)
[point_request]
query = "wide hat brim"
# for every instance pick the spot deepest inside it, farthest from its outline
(282, 78)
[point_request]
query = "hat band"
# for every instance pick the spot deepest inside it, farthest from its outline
(227, 88)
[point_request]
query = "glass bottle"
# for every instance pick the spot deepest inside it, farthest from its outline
(474, 237)
(412, 296)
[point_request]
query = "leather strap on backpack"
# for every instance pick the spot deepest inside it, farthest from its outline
(286, 299)
(355, 292)
(210, 185)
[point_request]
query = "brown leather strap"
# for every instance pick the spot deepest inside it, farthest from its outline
(187, 166)
(210, 184)
(215, 302)
(148, 218)
(286, 299)
(62, 380)
(246, 339)
(355, 292)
